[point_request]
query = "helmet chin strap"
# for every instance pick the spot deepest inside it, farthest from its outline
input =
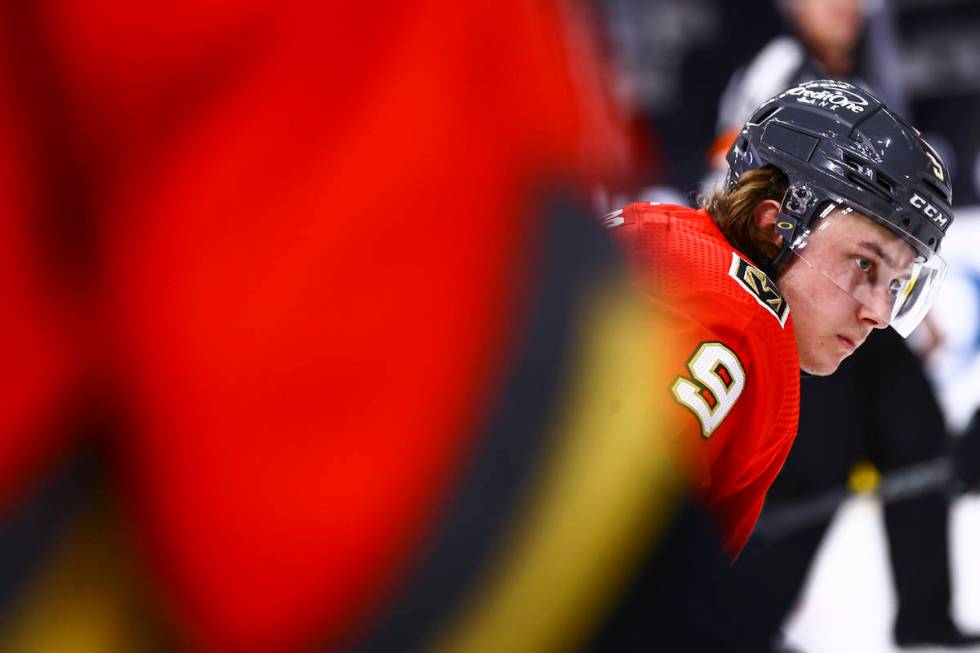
(787, 227)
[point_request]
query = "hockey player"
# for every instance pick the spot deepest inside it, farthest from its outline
(833, 210)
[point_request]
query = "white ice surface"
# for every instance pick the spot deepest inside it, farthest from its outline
(849, 601)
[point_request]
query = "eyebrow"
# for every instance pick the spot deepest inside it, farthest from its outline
(876, 249)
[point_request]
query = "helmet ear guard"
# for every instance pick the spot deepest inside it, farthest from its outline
(801, 207)
(791, 222)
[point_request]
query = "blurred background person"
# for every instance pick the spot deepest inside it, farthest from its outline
(835, 39)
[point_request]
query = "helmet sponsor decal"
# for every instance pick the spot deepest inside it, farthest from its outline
(761, 287)
(828, 96)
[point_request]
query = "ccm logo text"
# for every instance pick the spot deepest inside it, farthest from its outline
(930, 211)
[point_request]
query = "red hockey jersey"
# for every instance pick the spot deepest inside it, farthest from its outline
(733, 365)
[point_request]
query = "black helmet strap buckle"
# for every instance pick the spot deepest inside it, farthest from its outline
(791, 223)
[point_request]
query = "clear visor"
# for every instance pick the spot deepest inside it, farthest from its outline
(884, 270)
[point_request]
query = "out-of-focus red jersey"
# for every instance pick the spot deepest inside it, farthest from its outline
(734, 367)
(289, 242)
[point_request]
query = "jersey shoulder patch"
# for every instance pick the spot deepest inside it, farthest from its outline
(755, 282)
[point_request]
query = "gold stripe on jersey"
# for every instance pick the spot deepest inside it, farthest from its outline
(607, 489)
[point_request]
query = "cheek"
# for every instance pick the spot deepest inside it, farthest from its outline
(795, 288)
(816, 309)
(820, 314)
(816, 344)
(818, 306)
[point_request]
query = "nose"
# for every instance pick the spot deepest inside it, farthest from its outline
(876, 313)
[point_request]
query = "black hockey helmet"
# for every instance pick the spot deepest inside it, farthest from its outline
(840, 146)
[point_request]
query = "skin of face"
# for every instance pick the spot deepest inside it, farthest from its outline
(831, 29)
(848, 257)
(829, 23)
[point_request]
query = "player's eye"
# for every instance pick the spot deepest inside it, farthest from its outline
(864, 264)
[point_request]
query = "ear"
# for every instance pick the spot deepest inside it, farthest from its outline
(764, 217)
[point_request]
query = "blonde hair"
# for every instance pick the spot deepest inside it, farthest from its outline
(732, 209)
